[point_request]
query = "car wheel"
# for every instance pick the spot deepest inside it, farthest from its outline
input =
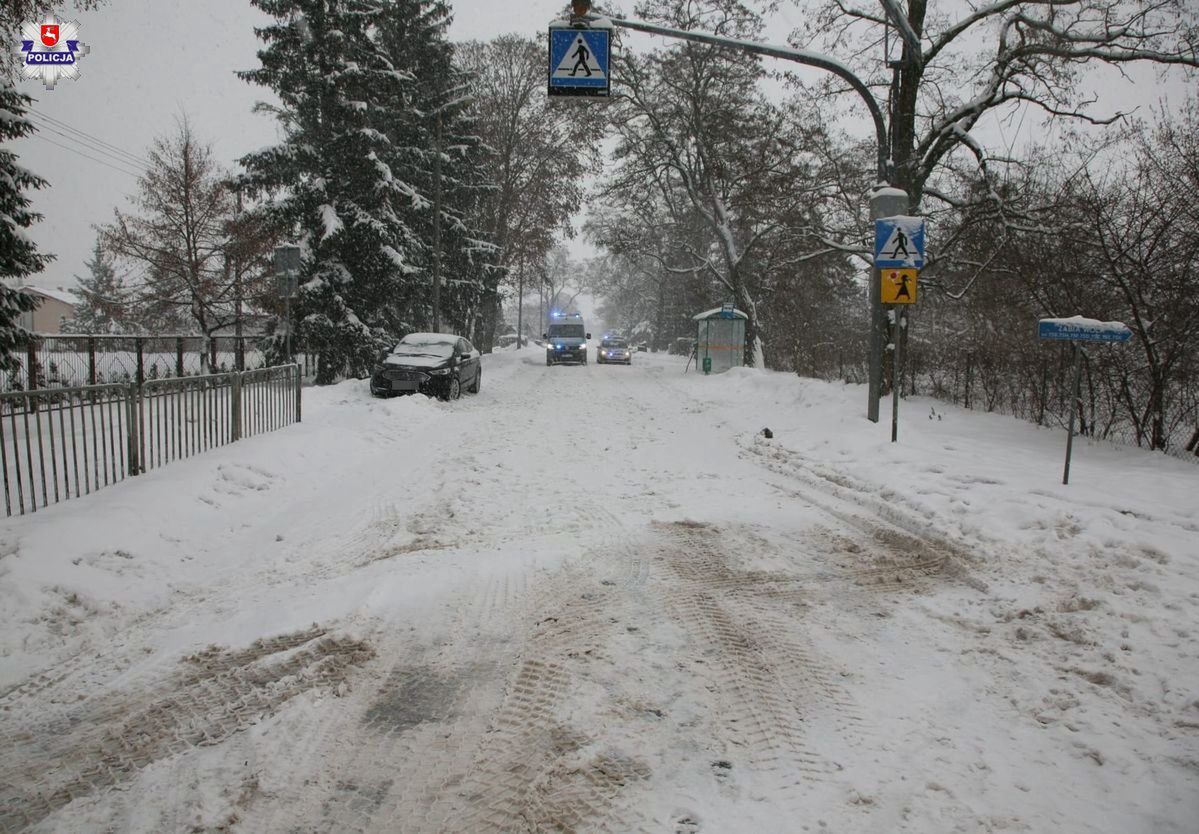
(454, 390)
(478, 383)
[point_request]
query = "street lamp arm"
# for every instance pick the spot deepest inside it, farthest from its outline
(905, 30)
(786, 53)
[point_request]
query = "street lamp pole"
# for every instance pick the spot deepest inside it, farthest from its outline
(885, 201)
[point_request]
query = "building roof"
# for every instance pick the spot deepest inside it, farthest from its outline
(715, 313)
(59, 294)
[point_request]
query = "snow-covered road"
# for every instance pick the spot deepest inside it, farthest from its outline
(597, 599)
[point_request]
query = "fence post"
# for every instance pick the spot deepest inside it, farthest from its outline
(179, 356)
(235, 404)
(241, 353)
(133, 410)
(32, 368)
(91, 360)
(299, 388)
(140, 344)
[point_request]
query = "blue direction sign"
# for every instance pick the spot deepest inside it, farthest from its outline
(1078, 329)
(899, 242)
(579, 61)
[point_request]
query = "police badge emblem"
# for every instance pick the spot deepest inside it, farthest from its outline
(51, 50)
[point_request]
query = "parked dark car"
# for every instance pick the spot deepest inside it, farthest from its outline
(613, 352)
(435, 364)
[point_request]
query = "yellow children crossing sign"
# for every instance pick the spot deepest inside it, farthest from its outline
(899, 286)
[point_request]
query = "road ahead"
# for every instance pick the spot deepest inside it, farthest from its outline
(584, 600)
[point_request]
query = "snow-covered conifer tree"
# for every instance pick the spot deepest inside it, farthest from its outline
(438, 135)
(18, 254)
(339, 179)
(102, 296)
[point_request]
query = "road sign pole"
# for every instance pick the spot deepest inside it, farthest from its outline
(1073, 408)
(884, 202)
(897, 375)
(1077, 329)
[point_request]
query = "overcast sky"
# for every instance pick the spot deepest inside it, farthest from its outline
(154, 60)
(150, 62)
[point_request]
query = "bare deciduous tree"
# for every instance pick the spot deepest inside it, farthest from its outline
(178, 238)
(539, 151)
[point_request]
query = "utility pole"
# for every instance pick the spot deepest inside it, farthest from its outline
(437, 224)
(239, 349)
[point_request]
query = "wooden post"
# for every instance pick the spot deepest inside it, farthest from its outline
(140, 342)
(133, 410)
(91, 360)
(179, 356)
(968, 380)
(33, 372)
(235, 409)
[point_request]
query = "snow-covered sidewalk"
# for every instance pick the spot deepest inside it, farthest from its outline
(598, 599)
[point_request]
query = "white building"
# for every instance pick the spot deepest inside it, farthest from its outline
(54, 308)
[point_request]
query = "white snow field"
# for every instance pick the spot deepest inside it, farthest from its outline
(598, 599)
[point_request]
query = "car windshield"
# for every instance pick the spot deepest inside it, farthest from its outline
(615, 343)
(566, 331)
(442, 350)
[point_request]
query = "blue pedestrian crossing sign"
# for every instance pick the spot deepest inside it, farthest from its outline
(579, 60)
(899, 242)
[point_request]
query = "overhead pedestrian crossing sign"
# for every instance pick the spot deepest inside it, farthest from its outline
(899, 242)
(579, 61)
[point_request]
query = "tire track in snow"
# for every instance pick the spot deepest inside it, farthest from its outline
(216, 694)
(537, 771)
(764, 676)
(902, 550)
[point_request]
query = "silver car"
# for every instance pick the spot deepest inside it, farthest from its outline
(614, 352)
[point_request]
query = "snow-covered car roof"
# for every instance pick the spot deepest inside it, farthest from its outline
(429, 338)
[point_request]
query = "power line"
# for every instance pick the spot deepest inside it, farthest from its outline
(120, 160)
(133, 174)
(60, 123)
(97, 140)
(69, 133)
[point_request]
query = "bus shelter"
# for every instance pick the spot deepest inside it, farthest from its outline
(720, 339)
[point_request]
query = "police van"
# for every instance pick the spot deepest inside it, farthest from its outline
(566, 339)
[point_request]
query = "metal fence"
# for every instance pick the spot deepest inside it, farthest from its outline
(71, 360)
(62, 443)
(1035, 386)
